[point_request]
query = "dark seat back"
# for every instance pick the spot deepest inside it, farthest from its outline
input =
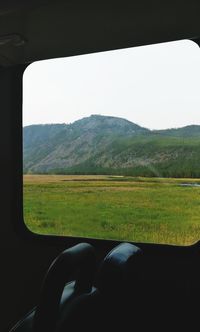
(56, 297)
(108, 306)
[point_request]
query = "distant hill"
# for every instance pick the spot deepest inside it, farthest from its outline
(110, 145)
(188, 131)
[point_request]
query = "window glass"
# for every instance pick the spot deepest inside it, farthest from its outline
(111, 144)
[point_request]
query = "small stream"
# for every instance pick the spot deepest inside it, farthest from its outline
(190, 184)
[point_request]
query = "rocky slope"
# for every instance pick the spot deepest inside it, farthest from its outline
(110, 145)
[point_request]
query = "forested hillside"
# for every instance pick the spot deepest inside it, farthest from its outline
(110, 145)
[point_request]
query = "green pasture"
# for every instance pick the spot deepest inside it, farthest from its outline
(158, 210)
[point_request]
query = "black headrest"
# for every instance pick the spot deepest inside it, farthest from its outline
(114, 271)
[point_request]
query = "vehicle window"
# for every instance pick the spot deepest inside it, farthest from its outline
(111, 144)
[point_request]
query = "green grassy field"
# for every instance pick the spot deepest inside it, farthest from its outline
(138, 209)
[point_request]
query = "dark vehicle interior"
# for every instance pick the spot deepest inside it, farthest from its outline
(91, 284)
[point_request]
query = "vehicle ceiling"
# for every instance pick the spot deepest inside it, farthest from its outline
(41, 29)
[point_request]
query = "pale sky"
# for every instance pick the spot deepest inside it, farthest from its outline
(154, 86)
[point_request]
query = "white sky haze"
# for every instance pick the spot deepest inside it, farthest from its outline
(154, 86)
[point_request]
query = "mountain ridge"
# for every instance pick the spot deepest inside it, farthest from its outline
(108, 144)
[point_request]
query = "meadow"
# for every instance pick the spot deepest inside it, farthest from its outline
(153, 210)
